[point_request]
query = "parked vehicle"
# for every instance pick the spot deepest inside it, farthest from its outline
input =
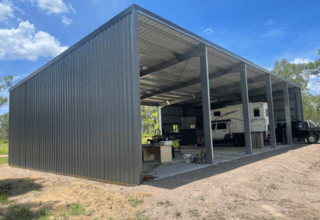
(305, 130)
(227, 123)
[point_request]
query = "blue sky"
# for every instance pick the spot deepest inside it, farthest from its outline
(34, 31)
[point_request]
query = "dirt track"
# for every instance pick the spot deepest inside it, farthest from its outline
(283, 184)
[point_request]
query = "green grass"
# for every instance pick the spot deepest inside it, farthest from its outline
(144, 140)
(64, 215)
(89, 213)
(3, 160)
(147, 135)
(3, 149)
(21, 212)
(178, 214)
(138, 217)
(76, 209)
(194, 213)
(135, 202)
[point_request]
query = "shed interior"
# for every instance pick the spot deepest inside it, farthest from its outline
(170, 73)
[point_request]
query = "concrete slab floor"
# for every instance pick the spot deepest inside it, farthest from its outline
(222, 153)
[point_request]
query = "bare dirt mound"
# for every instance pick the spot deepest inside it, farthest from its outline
(283, 184)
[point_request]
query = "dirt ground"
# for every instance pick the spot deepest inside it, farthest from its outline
(282, 184)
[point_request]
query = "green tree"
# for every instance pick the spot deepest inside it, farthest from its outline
(292, 72)
(5, 83)
(300, 74)
(149, 118)
(313, 68)
(4, 126)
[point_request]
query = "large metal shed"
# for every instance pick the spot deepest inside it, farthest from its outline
(79, 114)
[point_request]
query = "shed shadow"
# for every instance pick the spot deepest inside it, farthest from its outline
(192, 176)
(19, 186)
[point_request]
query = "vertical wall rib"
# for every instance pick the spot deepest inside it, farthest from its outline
(81, 114)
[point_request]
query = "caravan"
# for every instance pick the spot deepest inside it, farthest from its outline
(227, 123)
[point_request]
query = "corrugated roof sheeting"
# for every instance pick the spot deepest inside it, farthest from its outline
(159, 42)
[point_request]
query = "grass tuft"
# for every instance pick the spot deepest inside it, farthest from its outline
(194, 213)
(76, 209)
(135, 202)
(4, 160)
(89, 212)
(3, 149)
(21, 212)
(178, 214)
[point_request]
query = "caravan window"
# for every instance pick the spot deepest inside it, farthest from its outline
(256, 112)
(222, 126)
(217, 113)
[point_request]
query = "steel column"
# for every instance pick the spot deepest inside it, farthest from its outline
(206, 105)
(245, 109)
(298, 103)
(287, 113)
(159, 120)
(270, 112)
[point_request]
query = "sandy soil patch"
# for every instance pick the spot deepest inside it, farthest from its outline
(282, 184)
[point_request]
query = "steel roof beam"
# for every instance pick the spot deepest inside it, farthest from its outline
(275, 87)
(192, 82)
(149, 104)
(173, 61)
(257, 93)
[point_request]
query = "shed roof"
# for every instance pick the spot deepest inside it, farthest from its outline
(161, 41)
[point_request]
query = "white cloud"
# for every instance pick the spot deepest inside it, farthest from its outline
(268, 68)
(277, 32)
(314, 85)
(6, 10)
(301, 60)
(270, 22)
(15, 78)
(4, 109)
(25, 43)
(51, 6)
(208, 31)
(72, 9)
(66, 21)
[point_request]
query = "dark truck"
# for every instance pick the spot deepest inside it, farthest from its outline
(301, 130)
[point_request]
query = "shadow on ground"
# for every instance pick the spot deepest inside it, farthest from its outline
(192, 176)
(10, 188)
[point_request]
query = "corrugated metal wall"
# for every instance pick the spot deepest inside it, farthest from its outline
(278, 107)
(171, 115)
(81, 115)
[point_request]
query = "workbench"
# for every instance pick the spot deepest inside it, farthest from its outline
(156, 152)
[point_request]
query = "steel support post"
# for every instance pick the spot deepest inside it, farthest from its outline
(245, 108)
(287, 113)
(206, 105)
(270, 112)
(298, 103)
(159, 120)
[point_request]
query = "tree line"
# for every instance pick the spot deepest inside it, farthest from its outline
(301, 75)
